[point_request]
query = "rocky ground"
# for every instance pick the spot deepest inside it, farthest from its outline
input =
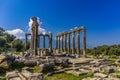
(29, 67)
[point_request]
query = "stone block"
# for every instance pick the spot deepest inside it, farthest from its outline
(6, 64)
(14, 75)
(36, 76)
(100, 75)
(46, 66)
(30, 62)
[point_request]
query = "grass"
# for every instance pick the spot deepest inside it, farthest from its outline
(118, 73)
(36, 69)
(112, 60)
(65, 76)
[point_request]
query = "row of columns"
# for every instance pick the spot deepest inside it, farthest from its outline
(38, 41)
(63, 41)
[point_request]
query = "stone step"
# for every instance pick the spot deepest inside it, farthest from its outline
(15, 75)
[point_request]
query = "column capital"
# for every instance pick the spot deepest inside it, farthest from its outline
(78, 32)
(73, 32)
(83, 28)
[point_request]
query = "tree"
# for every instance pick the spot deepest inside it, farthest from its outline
(9, 37)
(2, 42)
(18, 44)
(1, 31)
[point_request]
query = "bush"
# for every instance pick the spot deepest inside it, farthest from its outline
(18, 44)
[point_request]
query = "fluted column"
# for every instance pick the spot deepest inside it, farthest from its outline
(68, 43)
(62, 43)
(43, 41)
(32, 42)
(50, 42)
(84, 41)
(35, 40)
(58, 43)
(78, 42)
(65, 36)
(73, 43)
(38, 41)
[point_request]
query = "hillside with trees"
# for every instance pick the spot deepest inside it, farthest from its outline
(105, 50)
(9, 41)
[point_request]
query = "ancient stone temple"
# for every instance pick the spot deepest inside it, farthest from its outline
(35, 39)
(66, 42)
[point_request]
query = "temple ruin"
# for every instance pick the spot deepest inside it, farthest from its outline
(63, 41)
(35, 39)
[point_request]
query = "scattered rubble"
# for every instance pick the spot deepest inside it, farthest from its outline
(102, 69)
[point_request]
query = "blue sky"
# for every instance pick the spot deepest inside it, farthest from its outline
(101, 17)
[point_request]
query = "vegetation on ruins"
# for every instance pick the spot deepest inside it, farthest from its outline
(65, 76)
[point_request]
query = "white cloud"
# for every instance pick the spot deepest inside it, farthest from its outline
(20, 34)
(40, 30)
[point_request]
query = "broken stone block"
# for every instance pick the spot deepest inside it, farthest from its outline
(6, 60)
(14, 75)
(111, 79)
(46, 66)
(61, 60)
(64, 64)
(109, 70)
(5, 64)
(96, 78)
(18, 62)
(30, 62)
(100, 75)
(2, 57)
(83, 70)
(36, 76)
(31, 76)
(26, 73)
(117, 61)
(95, 69)
(113, 75)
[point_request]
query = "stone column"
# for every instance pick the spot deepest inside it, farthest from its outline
(35, 40)
(38, 41)
(25, 41)
(65, 36)
(78, 42)
(69, 43)
(62, 42)
(50, 42)
(43, 41)
(73, 43)
(34, 34)
(32, 42)
(84, 41)
(58, 43)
